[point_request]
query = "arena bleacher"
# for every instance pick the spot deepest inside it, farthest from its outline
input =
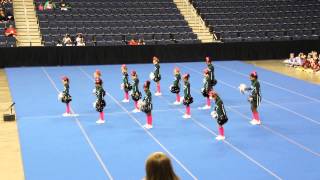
(5, 23)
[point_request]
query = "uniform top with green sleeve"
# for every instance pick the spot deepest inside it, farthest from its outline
(66, 90)
(147, 99)
(219, 108)
(186, 89)
(255, 88)
(211, 71)
(100, 93)
(125, 78)
(207, 83)
(135, 86)
(177, 78)
(156, 71)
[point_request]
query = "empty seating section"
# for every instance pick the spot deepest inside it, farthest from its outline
(261, 20)
(114, 22)
(6, 41)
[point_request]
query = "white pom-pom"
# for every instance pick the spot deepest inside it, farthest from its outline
(242, 88)
(170, 87)
(122, 86)
(60, 96)
(204, 80)
(94, 104)
(214, 114)
(140, 104)
(151, 75)
(94, 90)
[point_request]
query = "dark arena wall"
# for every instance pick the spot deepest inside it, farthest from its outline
(53, 56)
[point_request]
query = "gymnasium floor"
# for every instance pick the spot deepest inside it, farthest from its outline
(285, 146)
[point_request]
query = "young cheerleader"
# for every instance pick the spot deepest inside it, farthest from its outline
(211, 71)
(155, 75)
(219, 114)
(100, 103)
(136, 94)
(126, 86)
(206, 88)
(187, 100)
(175, 87)
(255, 97)
(146, 104)
(65, 96)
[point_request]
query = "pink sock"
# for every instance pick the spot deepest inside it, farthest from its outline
(256, 116)
(136, 104)
(221, 131)
(178, 97)
(158, 87)
(68, 108)
(102, 115)
(208, 101)
(188, 110)
(126, 96)
(149, 119)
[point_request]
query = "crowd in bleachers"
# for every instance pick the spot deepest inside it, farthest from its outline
(302, 62)
(8, 31)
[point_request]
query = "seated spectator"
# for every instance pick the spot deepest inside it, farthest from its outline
(59, 43)
(40, 7)
(132, 42)
(141, 42)
(49, 5)
(10, 31)
(3, 16)
(64, 6)
(158, 167)
(67, 41)
(291, 60)
(80, 40)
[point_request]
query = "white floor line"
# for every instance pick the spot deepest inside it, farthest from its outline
(264, 99)
(232, 146)
(85, 134)
(148, 132)
(270, 129)
(271, 84)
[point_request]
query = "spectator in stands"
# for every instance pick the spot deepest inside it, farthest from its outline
(291, 60)
(3, 16)
(67, 41)
(158, 167)
(49, 5)
(141, 42)
(40, 7)
(59, 43)
(10, 31)
(80, 40)
(64, 6)
(94, 40)
(132, 42)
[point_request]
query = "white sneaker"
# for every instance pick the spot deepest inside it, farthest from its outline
(186, 116)
(255, 122)
(219, 138)
(148, 126)
(136, 111)
(125, 100)
(100, 121)
(205, 107)
(177, 102)
(158, 94)
(66, 114)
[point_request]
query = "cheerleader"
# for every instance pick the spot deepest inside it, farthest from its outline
(254, 98)
(155, 75)
(136, 94)
(206, 88)
(187, 100)
(126, 86)
(146, 104)
(219, 114)
(175, 87)
(211, 72)
(100, 103)
(65, 96)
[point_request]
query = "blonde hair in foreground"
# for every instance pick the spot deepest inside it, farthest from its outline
(158, 167)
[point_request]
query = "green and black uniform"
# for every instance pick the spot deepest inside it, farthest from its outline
(211, 75)
(255, 97)
(126, 85)
(187, 99)
(206, 86)
(156, 72)
(66, 97)
(147, 101)
(100, 103)
(221, 112)
(175, 88)
(136, 94)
